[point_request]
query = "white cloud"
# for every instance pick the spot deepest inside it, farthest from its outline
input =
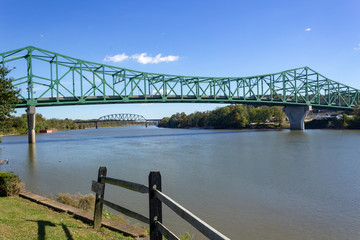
(308, 29)
(41, 35)
(116, 58)
(357, 48)
(144, 59)
(141, 58)
(161, 91)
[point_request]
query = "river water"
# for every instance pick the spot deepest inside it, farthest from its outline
(247, 184)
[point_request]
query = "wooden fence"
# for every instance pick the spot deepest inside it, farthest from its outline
(156, 198)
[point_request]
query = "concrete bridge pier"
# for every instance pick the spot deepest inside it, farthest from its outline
(296, 116)
(31, 123)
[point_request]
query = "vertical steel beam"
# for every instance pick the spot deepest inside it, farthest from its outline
(57, 78)
(73, 81)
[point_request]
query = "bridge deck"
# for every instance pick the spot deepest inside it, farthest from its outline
(53, 101)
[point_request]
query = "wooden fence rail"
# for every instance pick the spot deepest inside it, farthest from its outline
(156, 198)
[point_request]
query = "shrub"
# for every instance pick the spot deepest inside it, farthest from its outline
(85, 202)
(9, 184)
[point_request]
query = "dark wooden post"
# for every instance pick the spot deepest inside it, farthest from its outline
(155, 207)
(99, 198)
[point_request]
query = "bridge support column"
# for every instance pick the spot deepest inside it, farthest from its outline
(296, 116)
(31, 123)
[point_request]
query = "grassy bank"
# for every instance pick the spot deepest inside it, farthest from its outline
(23, 219)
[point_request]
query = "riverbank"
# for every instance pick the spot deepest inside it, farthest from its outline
(24, 219)
(62, 130)
(255, 126)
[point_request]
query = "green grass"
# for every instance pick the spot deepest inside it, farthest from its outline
(23, 219)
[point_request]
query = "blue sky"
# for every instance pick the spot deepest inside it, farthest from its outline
(202, 38)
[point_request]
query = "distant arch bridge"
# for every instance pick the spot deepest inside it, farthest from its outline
(121, 117)
(125, 117)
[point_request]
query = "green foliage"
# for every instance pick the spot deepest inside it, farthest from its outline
(8, 97)
(164, 122)
(279, 115)
(9, 184)
(341, 123)
(219, 117)
(317, 124)
(346, 122)
(18, 125)
(354, 123)
(233, 116)
(178, 120)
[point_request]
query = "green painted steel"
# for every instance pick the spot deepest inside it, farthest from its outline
(51, 79)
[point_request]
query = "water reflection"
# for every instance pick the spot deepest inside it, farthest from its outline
(32, 156)
(81, 139)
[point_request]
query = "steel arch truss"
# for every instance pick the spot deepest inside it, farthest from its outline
(128, 117)
(46, 78)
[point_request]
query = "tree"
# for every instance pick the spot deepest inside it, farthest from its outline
(164, 122)
(279, 114)
(239, 116)
(219, 118)
(8, 97)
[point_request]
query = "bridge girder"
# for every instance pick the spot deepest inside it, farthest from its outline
(50, 79)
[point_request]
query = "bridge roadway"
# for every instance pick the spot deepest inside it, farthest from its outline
(51, 79)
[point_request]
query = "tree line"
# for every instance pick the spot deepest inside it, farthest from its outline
(18, 125)
(245, 116)
(233, 116)
(348, 121)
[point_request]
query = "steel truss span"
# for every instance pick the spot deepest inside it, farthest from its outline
(122, 117)
(50, 79)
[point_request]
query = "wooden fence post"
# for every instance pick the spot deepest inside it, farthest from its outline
(99, 198)
(155, 207)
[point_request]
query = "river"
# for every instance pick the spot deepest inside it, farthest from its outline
(247, 184)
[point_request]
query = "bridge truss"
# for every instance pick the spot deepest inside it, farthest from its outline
(123, 117)
(50, 79)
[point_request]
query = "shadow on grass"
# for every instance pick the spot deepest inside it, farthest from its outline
(67, 232)
(42, 231)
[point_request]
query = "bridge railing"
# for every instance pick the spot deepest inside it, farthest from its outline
(156, 198)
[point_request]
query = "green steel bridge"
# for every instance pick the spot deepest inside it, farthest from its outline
(50, 79)
(46, 78)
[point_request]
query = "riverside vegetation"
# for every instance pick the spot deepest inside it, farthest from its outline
(18, 125)
(245, 116)
(233, 116)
